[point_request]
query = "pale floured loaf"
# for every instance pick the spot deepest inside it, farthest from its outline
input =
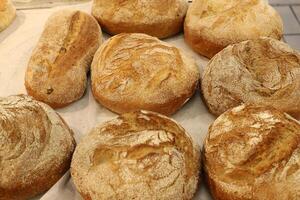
(140, 155)
(57, 70)
(263, 71)
(153, 17)
(7, 13)
(211, 25)
(36, 147)
(253, 152)
(136, 71)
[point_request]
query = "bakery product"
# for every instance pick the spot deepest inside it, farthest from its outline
(136, 71)
(7, 13)
(36, 147)
(139, 155)
(263, 71)
(57, 70)
(211, 25)
(253, 152)
(153, 17)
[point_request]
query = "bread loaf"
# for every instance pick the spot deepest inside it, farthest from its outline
(57, 69)
(136, 71)
(264, 71)
(36, 147)
(253, 152)
(211, 25)
(139, 155)
(153, 17)
(7, 13)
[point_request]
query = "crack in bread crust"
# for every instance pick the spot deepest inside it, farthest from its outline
(253, 152)
(140, 155)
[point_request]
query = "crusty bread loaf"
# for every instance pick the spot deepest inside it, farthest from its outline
(36, 147)
(263, 71)
(153, 17)
(253, 152)
(139, 155)
(136, 71)
(211, 25)
(7, 13)
(57, 70)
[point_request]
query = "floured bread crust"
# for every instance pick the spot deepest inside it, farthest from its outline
(57, 70)
(211, 25)
(36, 147)
(153, 17)
(7, 13)
(136, 71)
(253, 152)
(263, 71)
(139, 155)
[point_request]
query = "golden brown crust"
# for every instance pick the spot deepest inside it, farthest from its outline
(36, 147)
(263, 71)
(252, 152)
(57, 69)
(211, 25)
(157, 18)
(7, 13)
(202, 46)
(139, 155)
(136, 71)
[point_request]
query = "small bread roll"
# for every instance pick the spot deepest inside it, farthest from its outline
(211, 25)
(263, 71)
(7, 13)
(136, 71)
(139, 155)
(153, 17)
(57, 70)
(36, 147)
(253, 152)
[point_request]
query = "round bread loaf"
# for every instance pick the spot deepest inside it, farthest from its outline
(7, 13)
(211, 25)
(153, 17)
(36, 147)
(263, 71)
(136, 71)
(139, 155)
(253, 152)
(57, 70)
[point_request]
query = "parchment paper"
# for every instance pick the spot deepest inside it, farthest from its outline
(16, 45)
